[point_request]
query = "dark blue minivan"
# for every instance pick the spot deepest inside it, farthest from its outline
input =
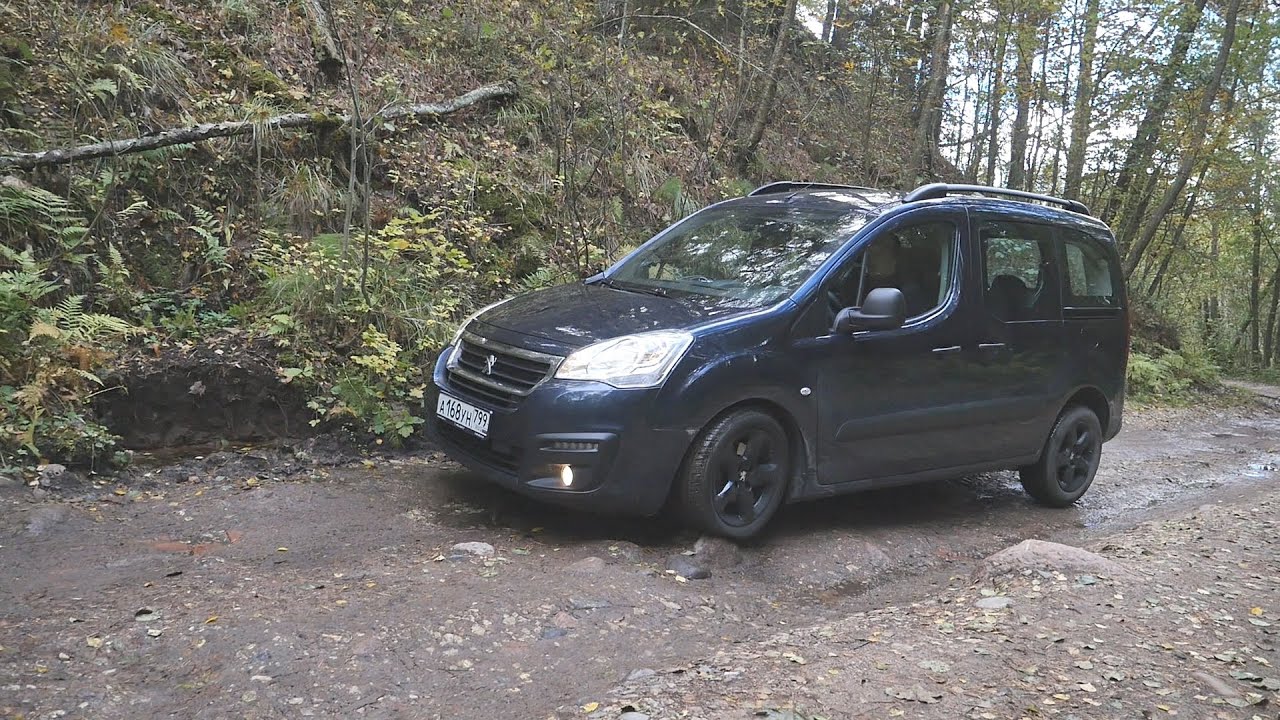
(800, 342)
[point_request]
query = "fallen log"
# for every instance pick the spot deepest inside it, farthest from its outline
(232, 128)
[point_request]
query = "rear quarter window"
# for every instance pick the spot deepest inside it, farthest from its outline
(1090, 279)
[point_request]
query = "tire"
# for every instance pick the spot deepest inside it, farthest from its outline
(736, 474)
(1068, 461)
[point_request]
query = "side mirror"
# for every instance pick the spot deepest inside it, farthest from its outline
(884, 309)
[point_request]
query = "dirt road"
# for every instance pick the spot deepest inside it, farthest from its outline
(240, 585)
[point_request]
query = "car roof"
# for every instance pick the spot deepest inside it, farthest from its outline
(875, 201)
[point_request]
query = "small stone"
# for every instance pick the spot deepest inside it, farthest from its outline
(633, 715)
(249, 696)
(552, 633)
(589, 604)
(294, 701)
(591, 564)
(154, 632)
(716, 552)
(625, 551)
(262, 679)
(50, 473)
(479, 549)
(640, 674)
(686, 568)
(997, 602)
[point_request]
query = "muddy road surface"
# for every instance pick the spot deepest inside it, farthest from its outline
(235, 584)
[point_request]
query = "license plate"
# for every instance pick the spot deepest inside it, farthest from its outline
(464, 415)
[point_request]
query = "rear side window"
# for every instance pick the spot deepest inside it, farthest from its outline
(1018, 271)
(1091, 281)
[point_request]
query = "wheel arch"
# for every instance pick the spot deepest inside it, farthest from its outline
(1093, 399)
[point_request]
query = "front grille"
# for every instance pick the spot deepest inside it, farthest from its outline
(495, 373)
(507, 460)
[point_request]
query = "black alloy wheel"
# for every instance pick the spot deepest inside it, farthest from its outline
(1069, 460)
(736, 474)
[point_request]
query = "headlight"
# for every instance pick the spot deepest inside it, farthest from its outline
(630, 361)
(458, 335)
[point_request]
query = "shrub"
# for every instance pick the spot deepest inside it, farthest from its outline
(1169, 375)
(360, 322)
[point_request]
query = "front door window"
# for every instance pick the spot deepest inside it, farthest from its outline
(918, 259)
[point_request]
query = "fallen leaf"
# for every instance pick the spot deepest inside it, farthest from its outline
(590, 707)
(1256, 612)
(212, 619)
(94, 641)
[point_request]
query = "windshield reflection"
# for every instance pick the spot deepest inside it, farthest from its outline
(748, 255)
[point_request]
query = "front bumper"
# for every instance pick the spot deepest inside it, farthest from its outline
(621, 463)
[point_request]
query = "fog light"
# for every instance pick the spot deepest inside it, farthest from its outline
(566, 475)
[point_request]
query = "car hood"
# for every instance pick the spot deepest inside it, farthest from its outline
(580, 314)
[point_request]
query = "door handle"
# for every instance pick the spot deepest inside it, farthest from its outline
(946, 350)
(991, 346)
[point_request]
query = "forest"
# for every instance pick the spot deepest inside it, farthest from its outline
(286, 207)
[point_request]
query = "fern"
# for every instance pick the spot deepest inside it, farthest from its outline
(75, 326)
(134, 208)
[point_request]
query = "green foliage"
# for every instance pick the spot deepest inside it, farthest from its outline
(50, 343)
(1170, 376)
(359, 321)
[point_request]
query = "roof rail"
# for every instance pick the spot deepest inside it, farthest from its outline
(793, 186)
(938, 190)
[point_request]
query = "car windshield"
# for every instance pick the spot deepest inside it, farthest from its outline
(748, 255)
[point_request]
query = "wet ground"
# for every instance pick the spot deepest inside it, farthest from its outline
(237, 584)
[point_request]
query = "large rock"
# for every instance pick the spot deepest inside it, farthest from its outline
(716, 552)
(1042, 555)
(479, 549)
(687, 568)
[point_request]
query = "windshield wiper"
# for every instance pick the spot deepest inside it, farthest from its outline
(631, 287)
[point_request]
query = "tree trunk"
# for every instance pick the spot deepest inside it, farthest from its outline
(1082, 110)
(1148, 134)
(829, 21)
(1255, 265)
(935, 86)
(1023, 39)
(997, 101)
(323, 44)
(206, 131)
(1199, 125)
(1268, 340)
(764, 110)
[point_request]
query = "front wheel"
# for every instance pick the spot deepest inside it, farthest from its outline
(736, 474)
(1069, 460)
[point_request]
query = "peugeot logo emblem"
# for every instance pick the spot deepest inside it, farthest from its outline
(489, 362)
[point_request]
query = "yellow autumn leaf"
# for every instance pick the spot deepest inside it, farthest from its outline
(1256, 612)
(590, 707)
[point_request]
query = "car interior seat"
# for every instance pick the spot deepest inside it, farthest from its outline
(1007, 297)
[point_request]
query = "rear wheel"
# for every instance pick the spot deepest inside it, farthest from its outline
(1069, 460)
(736, 474)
